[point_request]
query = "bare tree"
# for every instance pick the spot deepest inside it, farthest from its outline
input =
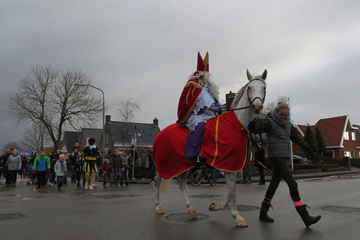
(11, 145)
(34, 138)
(51, 97)
(127, 109)
(271, 105)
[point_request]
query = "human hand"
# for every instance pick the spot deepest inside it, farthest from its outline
(214, 107)
(219, 105)
(252, 124)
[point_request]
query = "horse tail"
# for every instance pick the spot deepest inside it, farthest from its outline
(165, 185)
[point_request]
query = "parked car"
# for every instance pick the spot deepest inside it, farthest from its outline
(299, 160)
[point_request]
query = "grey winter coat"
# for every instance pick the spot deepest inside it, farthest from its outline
(60, 169)
(14, 162)
(279, 132)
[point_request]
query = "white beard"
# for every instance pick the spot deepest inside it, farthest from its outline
(209, 84)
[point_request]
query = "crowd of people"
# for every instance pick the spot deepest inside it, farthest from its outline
(54, 168)
(82, 167)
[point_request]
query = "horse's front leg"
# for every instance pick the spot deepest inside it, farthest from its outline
(231, 197)
(157, 181)
(183, 187)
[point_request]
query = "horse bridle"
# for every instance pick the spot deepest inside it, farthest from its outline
(251, 101)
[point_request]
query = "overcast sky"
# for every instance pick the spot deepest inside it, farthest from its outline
(146, 50)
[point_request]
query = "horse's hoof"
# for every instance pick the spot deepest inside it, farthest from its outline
(192, 212)
(160, 211)
(212, 207)
(241, 224)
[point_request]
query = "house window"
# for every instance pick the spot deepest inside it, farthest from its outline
(353, 136)
(346, 136)
(347, 153)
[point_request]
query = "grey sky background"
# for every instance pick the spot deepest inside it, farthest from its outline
(145, 50)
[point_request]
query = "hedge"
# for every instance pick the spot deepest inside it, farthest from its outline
(355, 162)
(323, 167)
(305, 166)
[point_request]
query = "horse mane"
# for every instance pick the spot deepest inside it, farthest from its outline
(240, 93)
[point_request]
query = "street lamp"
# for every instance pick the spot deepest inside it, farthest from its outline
(134, 154)
(103, 143)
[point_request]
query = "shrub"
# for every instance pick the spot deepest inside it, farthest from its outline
(355, 162)
(324, 167)
(339, 161)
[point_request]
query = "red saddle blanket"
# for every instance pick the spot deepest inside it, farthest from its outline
(225, 146)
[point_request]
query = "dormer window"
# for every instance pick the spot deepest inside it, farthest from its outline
(346, 136)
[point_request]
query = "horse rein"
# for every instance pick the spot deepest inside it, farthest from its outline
(251, 102)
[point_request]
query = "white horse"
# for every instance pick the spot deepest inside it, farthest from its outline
(248, 101)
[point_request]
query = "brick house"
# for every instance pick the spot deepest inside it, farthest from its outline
(117, 135)
(339, 134)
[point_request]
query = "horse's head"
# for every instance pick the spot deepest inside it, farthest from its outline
(256, 91)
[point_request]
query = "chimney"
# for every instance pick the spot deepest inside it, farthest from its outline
(108, 118)
(229, 99)
(156, 122)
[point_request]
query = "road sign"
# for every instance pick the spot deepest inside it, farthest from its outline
(64, 149)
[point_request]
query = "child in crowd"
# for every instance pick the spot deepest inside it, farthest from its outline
(60, 170)
(106, 171)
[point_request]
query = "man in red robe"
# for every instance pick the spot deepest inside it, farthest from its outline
(198, 103)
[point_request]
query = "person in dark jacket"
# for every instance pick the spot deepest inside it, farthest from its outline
(41, 167)
(279, 132)
(24, 165)
(76, 145)
(5, 169)
(116, 166)
(73, 157)
(134, 158)
(32, 159)
(52, 171)
(78, 166)
(1, 166)
(152, 166)
(143, 164)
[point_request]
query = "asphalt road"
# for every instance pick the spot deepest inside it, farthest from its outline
(129, 212)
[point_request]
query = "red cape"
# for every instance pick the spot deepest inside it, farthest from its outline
(187, 100)
(225, 145)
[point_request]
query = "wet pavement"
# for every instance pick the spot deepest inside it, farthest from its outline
(129, 212)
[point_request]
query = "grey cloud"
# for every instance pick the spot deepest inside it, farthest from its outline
(147, 50)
